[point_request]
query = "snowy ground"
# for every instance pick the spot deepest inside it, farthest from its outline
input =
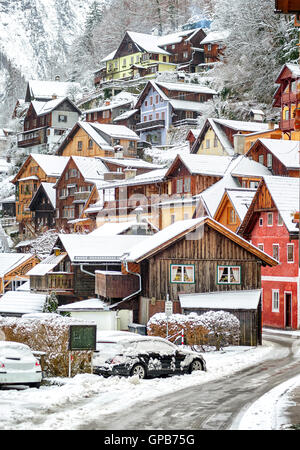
(72, 401)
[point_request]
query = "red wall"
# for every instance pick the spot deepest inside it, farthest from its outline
(269, 235)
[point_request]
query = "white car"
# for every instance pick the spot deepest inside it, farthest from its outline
(18, 365)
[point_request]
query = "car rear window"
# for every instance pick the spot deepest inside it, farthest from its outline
(14, 350)
(109, 348)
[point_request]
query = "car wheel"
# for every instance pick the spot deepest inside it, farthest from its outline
(139, 371)
(195, 365)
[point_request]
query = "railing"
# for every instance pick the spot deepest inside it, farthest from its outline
(288, 97)
(150, 124)
(60, 281)
(8, 222)
(81, 195)
(287, 125)
(183, 122)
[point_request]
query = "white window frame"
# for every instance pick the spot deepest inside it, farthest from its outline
(279, 220)
(190, 271)
(287, 253)
(275, 301)
(230, 268)
(261, 222)
(269, 215)
(278, 246)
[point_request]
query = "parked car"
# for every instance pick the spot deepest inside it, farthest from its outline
(143, 356)
(18, 365)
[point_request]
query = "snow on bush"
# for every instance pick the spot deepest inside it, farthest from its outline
(216, 328)
(49, 333)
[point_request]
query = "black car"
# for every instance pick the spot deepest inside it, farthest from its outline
(144, 356)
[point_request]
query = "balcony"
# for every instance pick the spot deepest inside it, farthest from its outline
(150, 125)
(287, 125)
(81, 197)
(289, 98)
(115, 284)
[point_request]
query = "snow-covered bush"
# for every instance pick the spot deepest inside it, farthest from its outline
(215, 328)
(47, 333)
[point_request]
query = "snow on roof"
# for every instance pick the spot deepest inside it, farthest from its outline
(285, 150)
(96, 136)
(22, 302)
(112, 228)
(131, 162)
(41, 107)
(126, 115)
(174, 38)
(285, 194)
(240, 125)
(241, 199)
(145, 178)
(91, 304)
(89, 248)
(50, 192)
(90, 168)
(147, 42)
(186, 87)
(9, 261)
(221, 135)
(215, 36)
(244, 299)
(46, 265)
(294, 68)
(185, 105)
(213, 165)
(110, 56)
(52, 165)
(243, 166)
(46, 89)
(116, 131)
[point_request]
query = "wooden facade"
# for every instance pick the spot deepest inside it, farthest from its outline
(43, 208)
(287, 6)
(18, 273)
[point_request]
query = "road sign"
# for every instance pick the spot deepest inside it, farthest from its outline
(82, 337)
(168, 308)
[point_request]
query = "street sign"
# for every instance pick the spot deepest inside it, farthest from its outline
(82, 337)
(168, 308)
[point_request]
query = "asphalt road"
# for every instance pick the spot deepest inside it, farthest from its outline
(216, 405)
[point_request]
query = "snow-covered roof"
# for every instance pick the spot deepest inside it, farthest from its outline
(175, 38)
(145, 178)
(52, 165)
(215, 36)
(186, 87)
(294, 68)
(186, 105)
(94, 135)
(131, 162)
(246, 167)
(47, 89)
(89, 248)
(285, 194)
(110, 56)
(91, 304)
(213, 165)
(116, 131)
(92, 169)
(22, 302)
(44, 107)
(10, 261)
(243, 299)
(285, 150)
(46, 265)
(241, 199)
(147, 42)
(126, 115)
(240, 125)
(222, 137)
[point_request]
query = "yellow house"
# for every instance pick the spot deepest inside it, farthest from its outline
(226, 137)
(138, 54)
(97, 139)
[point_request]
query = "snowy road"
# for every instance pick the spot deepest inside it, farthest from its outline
(212, 400)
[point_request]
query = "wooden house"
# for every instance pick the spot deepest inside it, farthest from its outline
(285, 98)
(14, 269)
(46, 122)
(43, 207)
(163, 105)
(74, 186)
(128, 119)
(226, 137)
(214, 45)
(233, 207)
(269, 224)
(95, 139)
(195, 256)
(111, 109)
(36, 169)
(281, 157)
(287, 6)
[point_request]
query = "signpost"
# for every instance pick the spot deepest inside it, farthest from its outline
(168, 311)
(81, 337)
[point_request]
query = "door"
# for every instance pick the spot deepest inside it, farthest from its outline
(288, 309)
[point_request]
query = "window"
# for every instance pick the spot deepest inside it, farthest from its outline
(173, 218)
(79, 145)
(261, 159)
(163, 115)
(231, 215)
(280, 221)
(156, 99)
(182, 273)
(207, 143)
(290, 253)
(261, 247)
(106, 114)
(261, 221)
(62, 118)
(151, 100)
(146, 102)
(276, 251)
(275, 300)
(215, 141)
(185, 54)
(90, 143)
(179, 186)
(229, 275)
(270, 219)
(269, 160)
(157, 116)
(187, 184)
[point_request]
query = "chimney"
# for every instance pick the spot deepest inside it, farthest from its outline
(54, 96)
(56, 251)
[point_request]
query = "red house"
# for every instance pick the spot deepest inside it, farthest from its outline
(270, 225)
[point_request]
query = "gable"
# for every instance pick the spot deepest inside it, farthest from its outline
(127, 47)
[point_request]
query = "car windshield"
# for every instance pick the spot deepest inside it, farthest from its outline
(109, 348)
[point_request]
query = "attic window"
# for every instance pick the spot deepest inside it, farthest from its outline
(62, 118)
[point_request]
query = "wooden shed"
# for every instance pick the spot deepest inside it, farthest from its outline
(245, 306)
